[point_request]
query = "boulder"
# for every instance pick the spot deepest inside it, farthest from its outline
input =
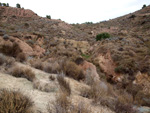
(89, 70)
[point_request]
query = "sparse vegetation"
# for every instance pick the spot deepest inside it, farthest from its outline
(23, 72)
(63, 104)
(14, 102)
(64, 85)
(7, 61)
(37, 64)
(21, 57)
(48, 16)
(85, 56)
(54, 46)
(7, 4)
(4, 4)
(88, 23)
(72, 70)
(144, 6)
(124, 108)
(102, 36)
(18, 5)
(52, 78)
(2, 59)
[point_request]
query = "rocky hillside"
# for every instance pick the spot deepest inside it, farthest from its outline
(46, 58)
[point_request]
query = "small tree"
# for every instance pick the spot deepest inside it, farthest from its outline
(4, 4)
(7, 4)
(0, 4)
(18, 6)
(144, 6)
(102, 36)
(48, 16)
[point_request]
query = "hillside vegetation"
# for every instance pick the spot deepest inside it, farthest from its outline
(50, 66)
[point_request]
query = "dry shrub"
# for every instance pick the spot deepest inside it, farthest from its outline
(89, 80)
(72, 70)
(10, 49)
(29, 74)
(14, 102)
(2, 59)
(51, 78)
(52, 67)
(80, 108)
(23, 72)
(63, 104)
(64, 85)
(101, 93)
(6, 61)
(124, 108)
(10, 62)
(96, 92)
(142, 99)
(45, 86)
(37, 64)
(21, 57)
(133, 89)
(125, 97)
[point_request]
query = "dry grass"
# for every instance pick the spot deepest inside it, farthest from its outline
(103, 94)
(63, 104)
(96, 92)
(72, 70)
(64, 85)
(23, 72)
(45, 86)
(14, 102)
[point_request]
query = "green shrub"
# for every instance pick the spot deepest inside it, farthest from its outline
(4, 4)
(102, 36)
(85, 56)
(7, 4)
(119, 69)
(0, 4)
(88, 23)
(144, 6)
(18, 6)
(14, 102)
(48, 16)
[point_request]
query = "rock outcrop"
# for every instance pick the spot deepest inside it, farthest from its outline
(89, 70)
(108, 66)
(17, 12)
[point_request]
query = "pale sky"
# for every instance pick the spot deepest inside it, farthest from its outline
(80, 11)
